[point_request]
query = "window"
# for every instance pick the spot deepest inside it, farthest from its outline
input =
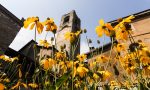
(66, 19)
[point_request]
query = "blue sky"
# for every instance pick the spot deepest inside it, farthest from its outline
(89, 11)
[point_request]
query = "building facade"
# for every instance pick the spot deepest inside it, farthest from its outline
(9, 27)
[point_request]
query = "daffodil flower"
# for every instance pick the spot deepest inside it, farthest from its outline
(121, 29)
(95, 76)
(32, 22)
(105, 74)
(102, 59)
(102, 29)
(82, 71)
(63, 66)
(48, 63)
(81, 57)
(131, 69)
(44, 43)
(60, 55)
(50, 25)
(120, 47)
(72, 36)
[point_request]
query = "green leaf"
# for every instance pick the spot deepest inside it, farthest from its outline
(62, 79)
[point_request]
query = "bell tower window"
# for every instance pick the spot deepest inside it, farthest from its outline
(66, 19)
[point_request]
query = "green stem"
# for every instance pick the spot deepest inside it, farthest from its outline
(110, 53)
(88, 43)
(103, 45)
(72, 65)
(46, 35)
(35, 47)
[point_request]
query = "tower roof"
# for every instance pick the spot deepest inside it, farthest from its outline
(68, 19)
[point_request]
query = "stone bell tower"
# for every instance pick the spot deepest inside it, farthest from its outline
(69, 23)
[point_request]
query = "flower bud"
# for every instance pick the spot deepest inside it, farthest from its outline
(84, 30)
(89, 41)
(98, 41)
(52, 38)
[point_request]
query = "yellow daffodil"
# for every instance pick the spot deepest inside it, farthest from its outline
(131, 69)
(144, 51)
(2, 87)
(102, 59)
(48, 63)
(120, 47)
(82, 71)
(44, 43)
(81, 57)
(109, 26)
(70, 36)
(145, 60)
(32, 22)
(102, 29)
(121, 34)
(121, 29)
(128, 19)
(60, 55)
(146, 71)
(33, 85)
(70, 63)
(105, 74)
(50, 25)
(95, 76)
(92, 65)
(63, 66)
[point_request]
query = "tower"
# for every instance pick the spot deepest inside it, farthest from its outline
(69, 23)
